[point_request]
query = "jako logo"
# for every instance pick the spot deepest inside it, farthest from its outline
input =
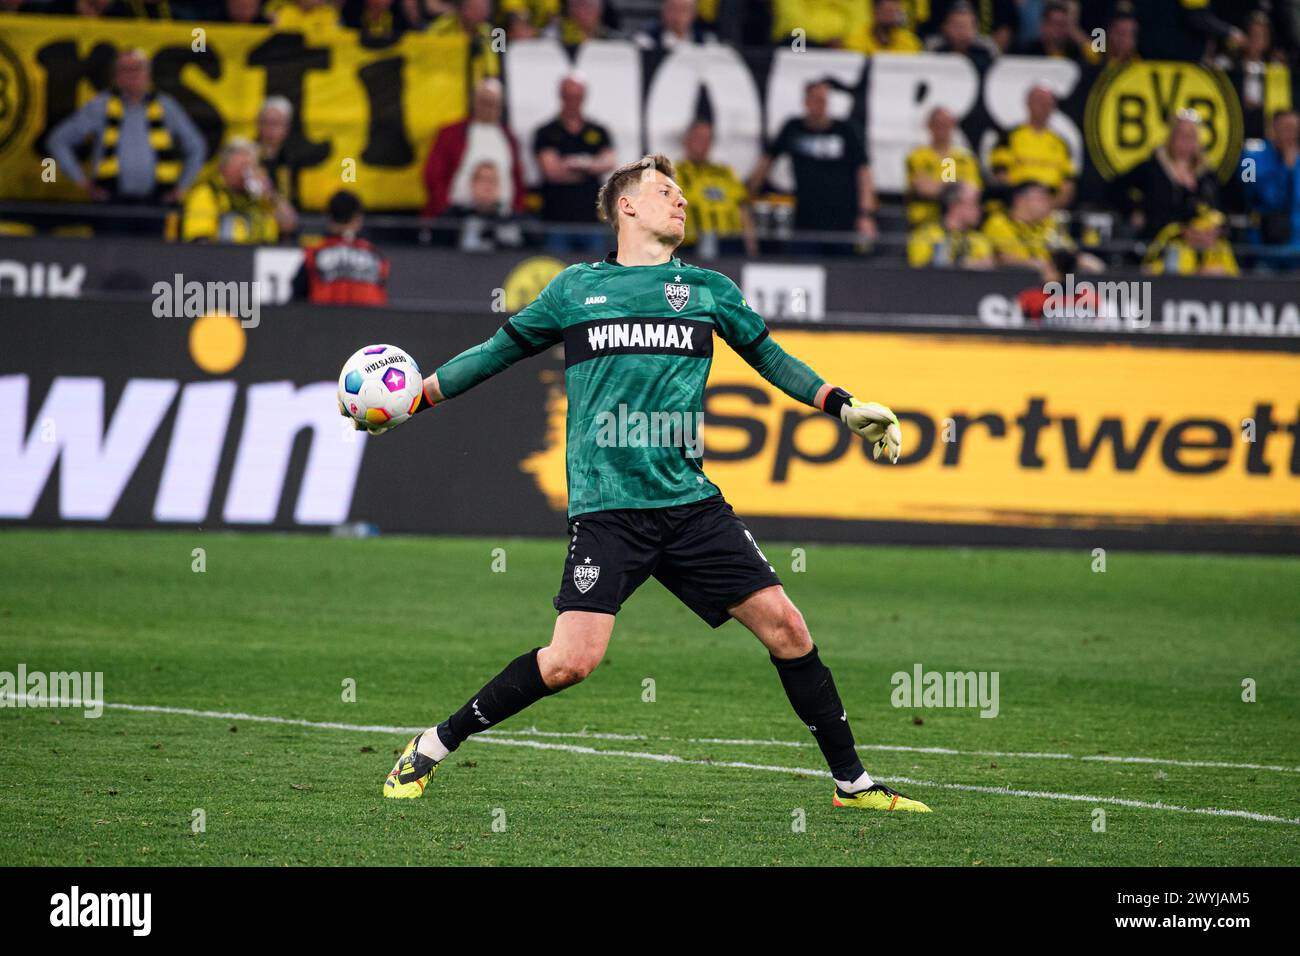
(103, 909)
(96, 462)
(595, 300)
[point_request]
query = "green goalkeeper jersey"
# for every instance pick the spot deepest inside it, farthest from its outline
(638, 344)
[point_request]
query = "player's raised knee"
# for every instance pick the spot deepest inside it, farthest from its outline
(793, 631)
(565, 670)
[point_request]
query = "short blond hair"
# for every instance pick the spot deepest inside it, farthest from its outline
(623, 178)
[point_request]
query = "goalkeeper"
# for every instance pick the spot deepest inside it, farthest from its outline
(638, 332)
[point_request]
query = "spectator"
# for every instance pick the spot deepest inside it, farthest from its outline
(469, 18)
(1273, 190)
(585, 20)
(146, 148)
(999, 20)
(379, 23)
(487, 222)
(1027, 235)
(1172, 182)
(90, 9)
(343, 269)
(312, 17)
(139, 10)
(931, 168)
(887, 32)
(525, 19)
(244, 11)
(959, 33)
(1122, 37)
(827, 23)
(1248, 67)
(233, 203)
(1194, 248)
(676, 26)
(1032, 152)
(954, 239)
(460, 148)
(717, 202)
(1183, 30)
(1059, 35)
(274, 122)
(834, 189)
(575, 155)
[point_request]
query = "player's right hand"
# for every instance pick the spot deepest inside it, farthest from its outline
(361, 427)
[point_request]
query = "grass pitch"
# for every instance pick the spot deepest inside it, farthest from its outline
(1144, 662)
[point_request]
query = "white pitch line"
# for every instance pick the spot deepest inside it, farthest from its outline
(970, 788)
(903, 748)
(734, 742)
(496, 737)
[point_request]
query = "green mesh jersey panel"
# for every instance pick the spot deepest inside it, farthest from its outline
(638, 344)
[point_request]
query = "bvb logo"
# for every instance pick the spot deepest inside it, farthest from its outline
(528, 279)
(14, 95)
(1130, 108)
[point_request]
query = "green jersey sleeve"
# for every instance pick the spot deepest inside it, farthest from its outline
(746, 331)
(533, 329)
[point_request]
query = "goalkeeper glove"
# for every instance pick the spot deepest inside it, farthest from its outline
(421, 404)
(873, 421)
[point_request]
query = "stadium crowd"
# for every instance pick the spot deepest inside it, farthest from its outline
(1020, 207)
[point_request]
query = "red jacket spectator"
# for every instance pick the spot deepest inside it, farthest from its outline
(488, 138)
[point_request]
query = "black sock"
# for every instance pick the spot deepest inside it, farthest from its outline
(518, 685)
(811, 689)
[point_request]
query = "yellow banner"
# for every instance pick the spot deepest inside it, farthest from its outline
(367, 115)
(1006, 432)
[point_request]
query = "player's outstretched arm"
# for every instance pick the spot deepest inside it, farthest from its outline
(747, 333)
(463, 372)
(873, 421)
(532, 330)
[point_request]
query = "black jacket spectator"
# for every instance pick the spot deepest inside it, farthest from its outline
(1151, 188)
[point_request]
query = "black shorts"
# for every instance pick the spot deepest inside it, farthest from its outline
(701, 552)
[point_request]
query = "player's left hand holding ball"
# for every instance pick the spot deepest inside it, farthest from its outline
(877, 424)
(379, 388)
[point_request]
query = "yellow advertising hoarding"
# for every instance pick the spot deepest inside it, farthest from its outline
(367, 115)
(1012, 432)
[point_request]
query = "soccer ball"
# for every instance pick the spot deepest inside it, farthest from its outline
(379, 385)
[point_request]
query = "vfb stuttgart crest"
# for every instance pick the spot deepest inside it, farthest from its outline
(585, 576)
(677, 294)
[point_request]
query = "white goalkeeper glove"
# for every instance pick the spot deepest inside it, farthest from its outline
(877, 424)
(362, 427)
